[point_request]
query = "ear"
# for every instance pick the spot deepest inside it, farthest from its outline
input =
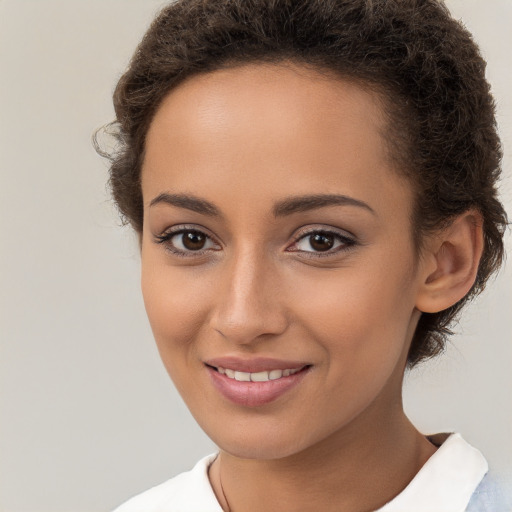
(450, 263)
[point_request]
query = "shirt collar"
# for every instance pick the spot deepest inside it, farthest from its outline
(446, 481)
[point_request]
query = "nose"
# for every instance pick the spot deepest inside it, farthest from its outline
(248, 305)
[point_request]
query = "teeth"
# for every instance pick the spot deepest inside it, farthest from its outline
(257, 376)
(243, 376)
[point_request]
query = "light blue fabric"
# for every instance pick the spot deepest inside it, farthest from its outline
(493, 494)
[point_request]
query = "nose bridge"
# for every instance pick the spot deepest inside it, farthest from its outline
(248, 304)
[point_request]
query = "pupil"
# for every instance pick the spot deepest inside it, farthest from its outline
(193, 240)
(321, 242)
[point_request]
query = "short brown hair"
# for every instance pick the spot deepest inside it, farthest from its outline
(424, 63)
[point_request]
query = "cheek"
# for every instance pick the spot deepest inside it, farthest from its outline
(175, 304)
(360, 317)
(363, 329)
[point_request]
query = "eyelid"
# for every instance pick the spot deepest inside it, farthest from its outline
(348, 241)
(166, 235)
(322, 228)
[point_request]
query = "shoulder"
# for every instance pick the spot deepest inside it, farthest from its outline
(188, 492)
(493, 494)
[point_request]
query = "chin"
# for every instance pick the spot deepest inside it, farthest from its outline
(257, 451)
(259, 443)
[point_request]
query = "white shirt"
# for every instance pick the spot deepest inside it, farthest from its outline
(444, 484)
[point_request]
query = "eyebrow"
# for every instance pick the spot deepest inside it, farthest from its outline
(283, 208)
(312, 202)
(188, 202)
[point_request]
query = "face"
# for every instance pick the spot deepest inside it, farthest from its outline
(278, 270)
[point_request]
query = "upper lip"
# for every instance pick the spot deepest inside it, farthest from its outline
(255, 364)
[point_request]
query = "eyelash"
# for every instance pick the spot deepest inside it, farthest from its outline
(165, 239)
(346, 244)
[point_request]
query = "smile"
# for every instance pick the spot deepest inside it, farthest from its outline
(257, 382)
(262, 376)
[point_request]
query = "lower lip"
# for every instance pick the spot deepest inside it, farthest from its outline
(255, 394)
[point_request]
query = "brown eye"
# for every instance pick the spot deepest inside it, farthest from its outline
(321, 241)
(193, 240)
(328, 242)
(186, 242)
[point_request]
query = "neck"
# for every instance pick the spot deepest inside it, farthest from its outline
(357, 469)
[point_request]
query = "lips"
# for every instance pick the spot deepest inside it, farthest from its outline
(257, 381)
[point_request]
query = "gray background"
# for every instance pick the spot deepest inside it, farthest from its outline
(88, 415)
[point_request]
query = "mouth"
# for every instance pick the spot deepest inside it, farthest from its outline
(257, 382)
(261, 376)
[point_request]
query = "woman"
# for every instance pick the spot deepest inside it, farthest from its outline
(314, 188)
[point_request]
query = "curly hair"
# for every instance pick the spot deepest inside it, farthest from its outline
(423, 63)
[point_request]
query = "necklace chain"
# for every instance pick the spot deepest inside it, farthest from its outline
(222, 490)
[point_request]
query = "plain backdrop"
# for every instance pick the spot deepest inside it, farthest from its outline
(88, 414)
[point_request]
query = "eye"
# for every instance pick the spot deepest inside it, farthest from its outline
(322, 241)
(186, 242)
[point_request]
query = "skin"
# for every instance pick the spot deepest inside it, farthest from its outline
(245, 139)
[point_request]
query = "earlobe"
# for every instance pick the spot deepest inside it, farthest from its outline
(451, 263)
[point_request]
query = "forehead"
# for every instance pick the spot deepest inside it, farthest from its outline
(260, 131)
